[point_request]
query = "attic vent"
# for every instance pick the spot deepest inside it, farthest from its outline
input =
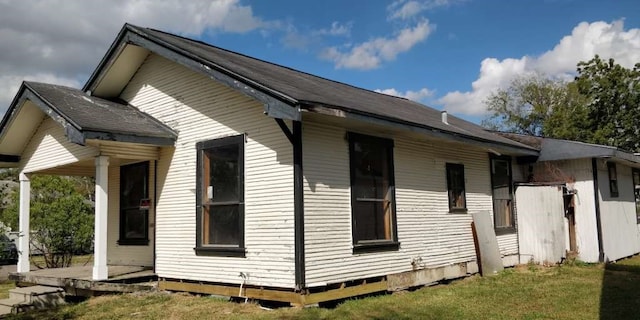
(444, 117)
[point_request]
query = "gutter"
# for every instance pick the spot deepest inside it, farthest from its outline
(594, 169)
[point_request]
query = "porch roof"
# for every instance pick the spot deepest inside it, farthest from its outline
(82, 116)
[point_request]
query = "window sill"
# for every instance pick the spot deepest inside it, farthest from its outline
(458, 211)
(220, 251)
(133, 242)
(502, 231)
(376, 247)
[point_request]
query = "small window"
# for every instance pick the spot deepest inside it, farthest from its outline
(636, 191)
(502, 193)
(613, 180)
(455, 188)
(134, 217)
(372, 193)
(220, 197)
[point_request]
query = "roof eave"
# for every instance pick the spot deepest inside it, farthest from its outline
(276, 104)
(435, 132)
(129, 138)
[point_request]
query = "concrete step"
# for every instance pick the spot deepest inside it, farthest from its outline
(8, 306)
(29, 298)
(38, 294)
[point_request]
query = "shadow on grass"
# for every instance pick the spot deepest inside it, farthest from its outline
(620, 296)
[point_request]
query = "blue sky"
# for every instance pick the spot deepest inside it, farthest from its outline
(448, 54)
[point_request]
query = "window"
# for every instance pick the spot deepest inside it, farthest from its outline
(502, 193)
(134, 217)
(613, 179)
(455, 188)
(372, 193)
(636, 191)
(220, 197)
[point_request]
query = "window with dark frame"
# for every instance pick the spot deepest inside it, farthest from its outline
(134, 218)
(502, 193)
(613, 179)
(455, 187)
(636, 191)
(220, 197)
(372, 193)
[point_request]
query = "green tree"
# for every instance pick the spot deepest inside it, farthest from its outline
(539, 106)
(61, 218)
(614, 102)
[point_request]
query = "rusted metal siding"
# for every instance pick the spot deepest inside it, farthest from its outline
(199, 108)
(49, 148)
(618, 214)
(430, 236)
(541, 223)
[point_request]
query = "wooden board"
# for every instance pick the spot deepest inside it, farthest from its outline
(488, 252)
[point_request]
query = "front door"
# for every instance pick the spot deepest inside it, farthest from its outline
(134, 204)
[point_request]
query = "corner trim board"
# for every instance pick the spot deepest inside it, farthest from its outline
(298, 196)
(594, 169)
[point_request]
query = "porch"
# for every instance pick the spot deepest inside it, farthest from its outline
(57, 130)
(78, 280)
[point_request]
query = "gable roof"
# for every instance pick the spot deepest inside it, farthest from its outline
(84, 117)
(559, 149)
(286, 92)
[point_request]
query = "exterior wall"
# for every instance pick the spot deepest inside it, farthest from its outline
(201, 109)
(541, 223)
(586, 230)
(430, 236)
(126, 255)
(620, 234)
(50, 148)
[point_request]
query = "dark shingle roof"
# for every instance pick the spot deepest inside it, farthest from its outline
(558, 149)
(308, 90)
(87, 113)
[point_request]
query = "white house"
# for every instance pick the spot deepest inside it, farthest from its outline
(221, 171)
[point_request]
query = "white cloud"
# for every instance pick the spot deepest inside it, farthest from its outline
(403, 9)
(371, 54)
(609, 40)
(336, 29)
(417, 96)
(62, 41)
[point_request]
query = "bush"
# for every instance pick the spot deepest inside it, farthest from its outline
(61, 219)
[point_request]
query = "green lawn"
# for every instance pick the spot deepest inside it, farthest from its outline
(568, 292)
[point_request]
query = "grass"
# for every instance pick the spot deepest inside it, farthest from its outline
(576, 291)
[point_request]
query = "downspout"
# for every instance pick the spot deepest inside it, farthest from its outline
(594, 168)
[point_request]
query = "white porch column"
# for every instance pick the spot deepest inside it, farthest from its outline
(100, 271)
(25, 231)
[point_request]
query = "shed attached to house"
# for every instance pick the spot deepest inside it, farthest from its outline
(290, 186)
(602, 195)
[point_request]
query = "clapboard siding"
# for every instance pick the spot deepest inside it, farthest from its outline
(618, 215)
(49, 148)
(426, 229)
(201, 109)
(126, 255)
